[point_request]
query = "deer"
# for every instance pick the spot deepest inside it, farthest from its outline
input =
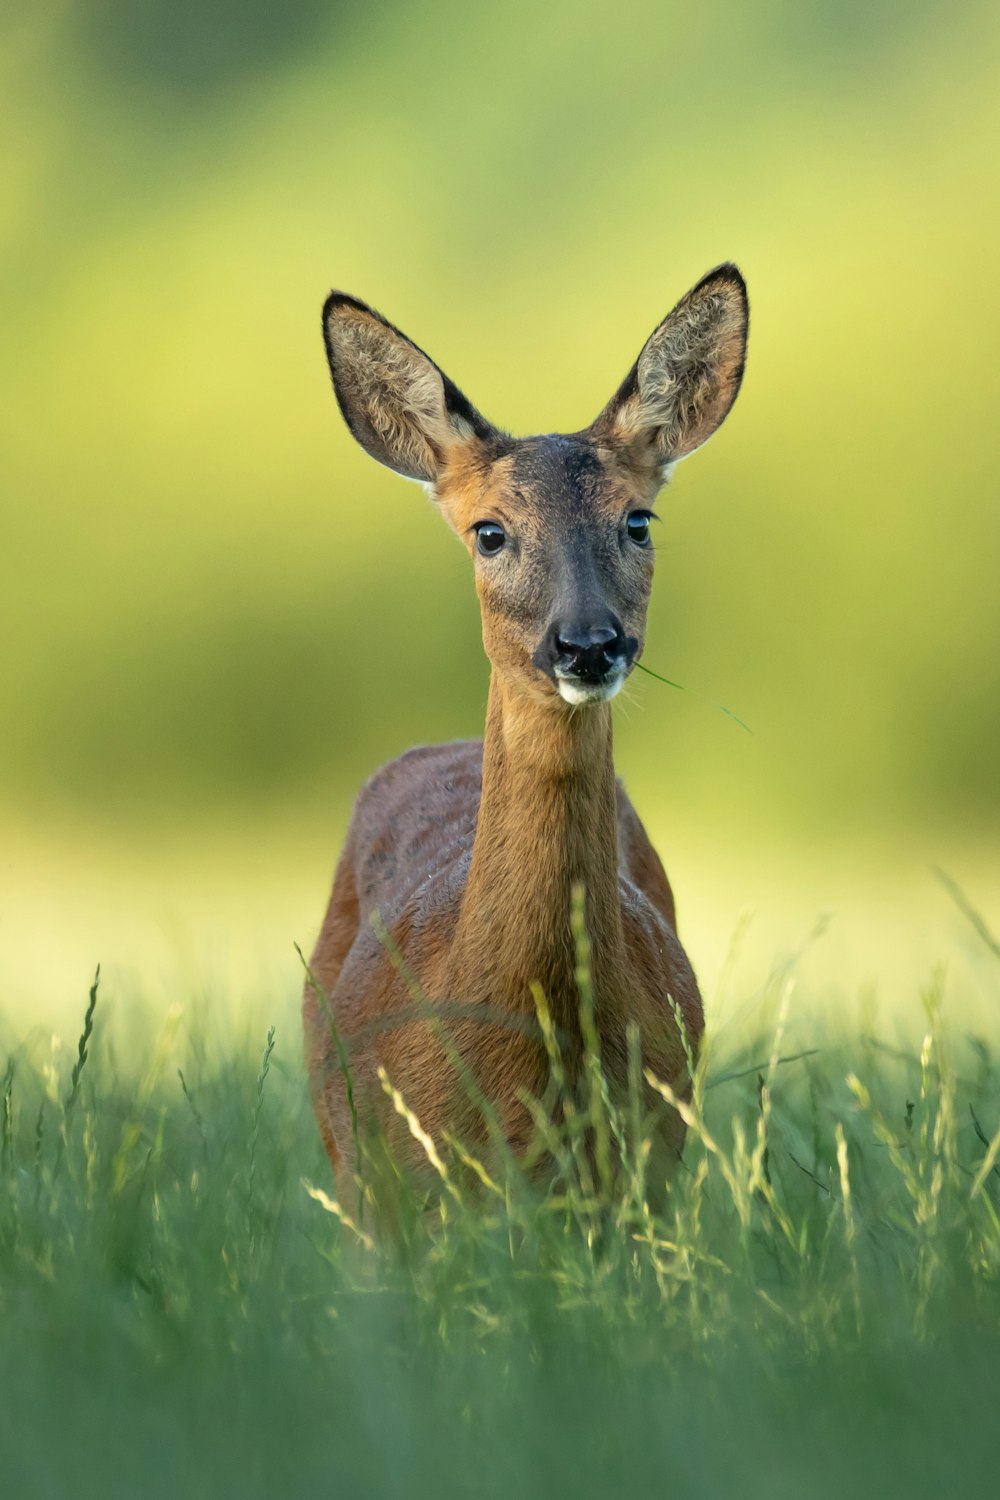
(456, 878)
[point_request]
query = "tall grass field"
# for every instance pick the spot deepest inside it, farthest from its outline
(810, 1307)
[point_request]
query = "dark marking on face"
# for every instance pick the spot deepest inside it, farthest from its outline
(568, 594)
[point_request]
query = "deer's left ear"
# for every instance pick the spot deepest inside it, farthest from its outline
(685, 380)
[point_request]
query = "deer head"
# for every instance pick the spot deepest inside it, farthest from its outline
(557, 526)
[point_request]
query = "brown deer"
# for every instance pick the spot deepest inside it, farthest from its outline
(466, 854)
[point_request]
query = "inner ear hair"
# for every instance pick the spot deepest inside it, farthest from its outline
(401, 408)
(686, 378)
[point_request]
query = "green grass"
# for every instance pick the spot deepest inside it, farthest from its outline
(813, 1309)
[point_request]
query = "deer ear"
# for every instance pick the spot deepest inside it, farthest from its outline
(685, 380)
(402, 409)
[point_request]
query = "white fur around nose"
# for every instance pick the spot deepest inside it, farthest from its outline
(573, 691)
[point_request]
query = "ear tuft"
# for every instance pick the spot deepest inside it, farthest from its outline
(399, 406)
(686, 378)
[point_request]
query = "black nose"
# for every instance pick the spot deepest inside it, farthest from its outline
(588, 652)
(571, 638)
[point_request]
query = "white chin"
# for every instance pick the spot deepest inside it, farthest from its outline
(572, 691)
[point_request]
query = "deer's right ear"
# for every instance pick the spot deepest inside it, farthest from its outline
(402, 409)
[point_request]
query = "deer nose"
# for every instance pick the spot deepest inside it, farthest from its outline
(588, 652)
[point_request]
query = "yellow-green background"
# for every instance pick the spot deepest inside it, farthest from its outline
(217, 615)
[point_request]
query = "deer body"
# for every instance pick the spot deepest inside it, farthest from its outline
(468, 853)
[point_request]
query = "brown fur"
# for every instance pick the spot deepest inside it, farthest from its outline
(468, 852)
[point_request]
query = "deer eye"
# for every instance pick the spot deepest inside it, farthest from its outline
(490, 538)
(637, 527)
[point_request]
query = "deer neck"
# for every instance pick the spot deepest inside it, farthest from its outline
(547, 821)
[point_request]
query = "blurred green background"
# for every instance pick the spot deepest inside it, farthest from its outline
(218, 615)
